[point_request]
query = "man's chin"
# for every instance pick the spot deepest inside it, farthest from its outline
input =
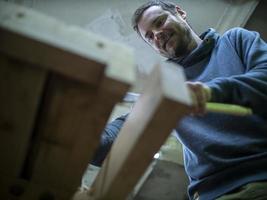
(170, 53)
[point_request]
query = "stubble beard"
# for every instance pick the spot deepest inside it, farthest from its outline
(182, 47)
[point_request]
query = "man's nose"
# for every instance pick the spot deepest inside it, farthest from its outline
(158, 35)
(159, 38)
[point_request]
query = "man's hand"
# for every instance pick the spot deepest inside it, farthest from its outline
(201, 94)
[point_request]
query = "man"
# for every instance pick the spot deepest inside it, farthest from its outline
(225, 156)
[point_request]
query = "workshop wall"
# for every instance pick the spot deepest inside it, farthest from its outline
(113, 18)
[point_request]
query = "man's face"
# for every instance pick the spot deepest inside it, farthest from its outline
(168, 34)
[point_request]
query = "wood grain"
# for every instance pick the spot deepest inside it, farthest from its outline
(149, 124)
(21, 87)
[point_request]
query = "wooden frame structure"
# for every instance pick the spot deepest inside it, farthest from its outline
(153, 117)
(59, 84)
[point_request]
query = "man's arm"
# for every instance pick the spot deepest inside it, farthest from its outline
(248, 89)
(108, 136)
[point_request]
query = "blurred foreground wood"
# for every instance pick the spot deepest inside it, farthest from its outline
(154, 115)
(58, 87)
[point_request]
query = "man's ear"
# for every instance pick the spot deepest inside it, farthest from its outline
(181, 12)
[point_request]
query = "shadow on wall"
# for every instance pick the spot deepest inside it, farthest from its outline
(112, 25)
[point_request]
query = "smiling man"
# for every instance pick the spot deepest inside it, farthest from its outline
(225, 156)
(169, 34)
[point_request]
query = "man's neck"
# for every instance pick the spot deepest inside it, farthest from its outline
(195, 42)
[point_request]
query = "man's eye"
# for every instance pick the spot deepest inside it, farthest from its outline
(159, 23)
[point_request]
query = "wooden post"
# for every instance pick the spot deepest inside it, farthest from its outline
(59, 84)
(164, 101)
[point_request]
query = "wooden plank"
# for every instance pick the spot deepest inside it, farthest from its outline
(29, 35)
(21, 87)
(164, 101)
(88, 75)
(73, 117)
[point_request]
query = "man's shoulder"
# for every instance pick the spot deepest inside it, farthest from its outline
(238, 32)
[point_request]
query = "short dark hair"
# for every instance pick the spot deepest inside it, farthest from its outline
(165, 5)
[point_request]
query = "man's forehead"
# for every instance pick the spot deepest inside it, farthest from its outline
(148, 16)
(150, 12)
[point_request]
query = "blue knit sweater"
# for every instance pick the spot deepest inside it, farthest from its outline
(221, 152)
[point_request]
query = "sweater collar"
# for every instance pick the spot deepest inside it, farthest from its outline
(209, 39)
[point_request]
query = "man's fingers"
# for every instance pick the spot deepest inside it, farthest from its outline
(200, 95)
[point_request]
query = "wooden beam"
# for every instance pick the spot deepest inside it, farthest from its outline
(73, 116)
(164, 101)
(36, 38)
(75, 79)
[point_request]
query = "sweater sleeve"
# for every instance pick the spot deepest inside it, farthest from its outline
(108, 136)
(250, 88)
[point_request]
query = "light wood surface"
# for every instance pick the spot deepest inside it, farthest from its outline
(59, 84)
(70, 50)
(150, 122)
